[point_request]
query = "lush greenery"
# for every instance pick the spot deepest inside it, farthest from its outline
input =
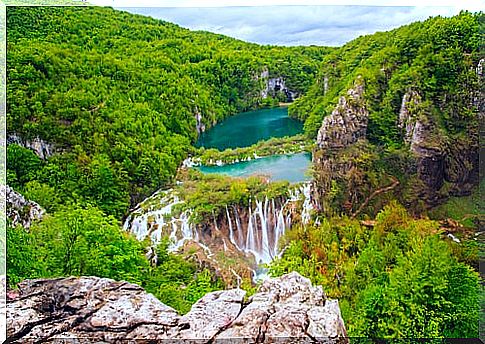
(275, 145)
(83, 241)
(118, 94)
(208, 195)
(436, 62)
(436, 58)
(394, 277)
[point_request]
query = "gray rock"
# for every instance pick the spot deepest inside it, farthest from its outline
(20, 210)
(273, 86)
(348, 121)
(91, 309)
(40, 147)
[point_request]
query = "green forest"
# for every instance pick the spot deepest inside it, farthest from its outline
(117, 96)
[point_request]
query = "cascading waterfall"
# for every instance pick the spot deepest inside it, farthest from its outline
(155, 218)
(255, 229)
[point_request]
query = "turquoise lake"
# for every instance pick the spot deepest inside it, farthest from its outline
(290, 167)
(248, 128)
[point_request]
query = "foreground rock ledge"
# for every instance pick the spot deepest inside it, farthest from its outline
(91, 309)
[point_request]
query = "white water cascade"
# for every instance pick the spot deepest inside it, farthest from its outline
(154, 217)
(255, 229)
(266, 223)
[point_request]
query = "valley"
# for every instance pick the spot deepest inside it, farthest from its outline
(144, 152)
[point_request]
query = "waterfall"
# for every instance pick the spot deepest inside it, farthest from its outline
(153, 217)
(239, 229)
(255, 229)
(307, 203)
(231, 230)
(250, 240)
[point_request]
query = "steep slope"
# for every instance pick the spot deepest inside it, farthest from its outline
(414, 120)
(123, 95)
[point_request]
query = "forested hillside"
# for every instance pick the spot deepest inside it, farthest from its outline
(419, 90)
(436, 58)
(103, 106)
(396, 116)
(119, 94)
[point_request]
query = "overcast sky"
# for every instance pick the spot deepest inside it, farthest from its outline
(295, 25)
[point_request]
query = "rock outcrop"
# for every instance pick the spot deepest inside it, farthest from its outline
(439, 163)
(274, 86)
(40, 147)
(348, 121)
(341, 140)
(20, 210)
(437, 159)
(91, 309)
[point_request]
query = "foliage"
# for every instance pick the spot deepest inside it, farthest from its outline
(436, 58)
(178, 282)
(83, 241)
(394, 278)
(117, 94)
(284, 145)
(208, 195)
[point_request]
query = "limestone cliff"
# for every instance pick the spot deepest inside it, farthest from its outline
(435, 164)
(340, 179)
(275, 86)
(20, 210)
(40, 147)
(91, 309)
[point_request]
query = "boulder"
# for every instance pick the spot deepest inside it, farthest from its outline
(92, 309)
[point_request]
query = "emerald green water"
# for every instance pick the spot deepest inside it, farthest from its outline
(248, 128)
(290, 167)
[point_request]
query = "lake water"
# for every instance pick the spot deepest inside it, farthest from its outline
(291, 167)
(248, 128)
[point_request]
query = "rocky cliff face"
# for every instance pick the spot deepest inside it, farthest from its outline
(91, 309)
(438, 160)
(274, 86)
(341, 139)
(348, 121)
(440, 165)
(40, 147)
(20, 210)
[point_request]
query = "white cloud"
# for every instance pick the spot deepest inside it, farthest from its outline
(295, 25)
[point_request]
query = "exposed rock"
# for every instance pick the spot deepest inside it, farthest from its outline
(285, 309)
(199, 126)
(407, 119)
(437, 160)
(40, 147)
(348, 121)
(20, 210)
(273, 86)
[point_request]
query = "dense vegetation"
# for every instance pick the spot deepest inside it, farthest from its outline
(436, 61)
(118, 94)
(394, 277)
(83, 241)
(436, 58)
(281, 145)
(208, 195)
